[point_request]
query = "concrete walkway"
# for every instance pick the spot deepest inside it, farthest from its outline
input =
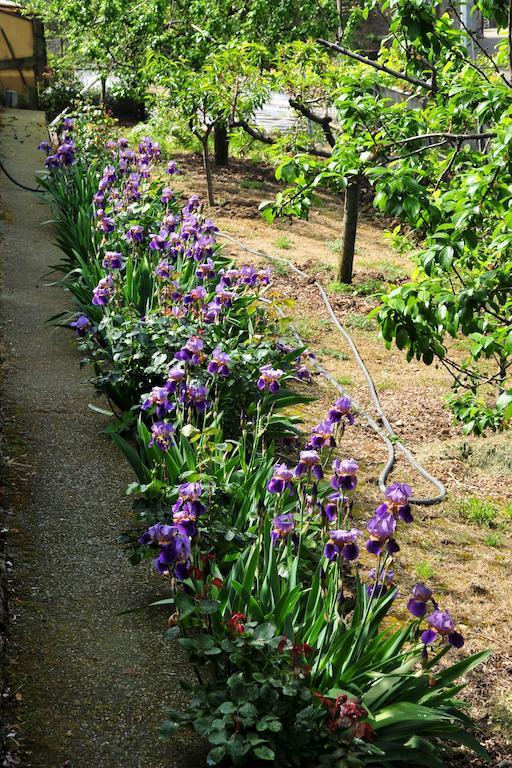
(91, 684)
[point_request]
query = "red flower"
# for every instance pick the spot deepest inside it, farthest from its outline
(235, 624)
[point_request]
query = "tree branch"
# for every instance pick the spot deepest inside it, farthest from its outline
(266, 139)
(325, 120)
(376, 65)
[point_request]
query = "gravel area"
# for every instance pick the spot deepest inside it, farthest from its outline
(89, 684)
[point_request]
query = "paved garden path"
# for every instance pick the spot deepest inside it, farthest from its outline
(91, 683)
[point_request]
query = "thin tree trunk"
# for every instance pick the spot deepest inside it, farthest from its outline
(221, 140)
(350, 215)
(207, 168)
(103, 92)
(339, 10)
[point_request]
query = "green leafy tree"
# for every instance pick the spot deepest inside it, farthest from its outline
(444, 168)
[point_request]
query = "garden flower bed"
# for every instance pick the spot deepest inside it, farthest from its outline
(283, 601)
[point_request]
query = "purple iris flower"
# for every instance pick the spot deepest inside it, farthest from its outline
(323, 435)
(66, 153)
(342, 543)
(332, 504)
(170, 222)
(211, 312)
(345, 474)
(219, 363)
(398, 496)
(52, 161)
(161, 435)
(196, 397)
(68, 124)
(303, 374)
(283, 526)
(106, 224)
(172, 168)
(382, 529)
(309, 461)
(208, 227)
(340, 411)
(112, 260)
(264, 276)
(282, 479)
(192, 205)
(269, 379)
(99, 198)
(45, 146)
(189, 495)
(230, 277)
(442, 624)
(175, 549)
(135, 234)
(196, 296)
(160, 533)
(159, 242)
(417, 605)
(192, 352)
(103, 291)
(158, 398)
(206, 270)
(82, 325)
(164, 269)
(174, 378)
(167, 195)
(222, 297)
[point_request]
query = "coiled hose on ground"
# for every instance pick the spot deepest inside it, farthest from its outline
(386, 432)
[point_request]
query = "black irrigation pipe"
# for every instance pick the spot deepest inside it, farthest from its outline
(18, 183)
(386, 432)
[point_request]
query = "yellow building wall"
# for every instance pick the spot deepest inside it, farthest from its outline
(19, 31)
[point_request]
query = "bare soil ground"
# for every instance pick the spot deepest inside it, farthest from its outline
(465, 559)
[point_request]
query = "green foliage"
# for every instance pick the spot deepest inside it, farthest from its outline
(424, 571)
(298, 658)
(283, 242)
(478, 511)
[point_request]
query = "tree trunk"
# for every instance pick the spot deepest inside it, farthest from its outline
(103, 92)
(207, 168)
(221, 139)
(350, 214)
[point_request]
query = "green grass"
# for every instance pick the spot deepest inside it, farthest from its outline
(494, 540)
(252, 184)
(334, 353)
(477, 511)
(324, 267)
(283, 242)
(308, 328)
(424, 570)
(345, 381)
(392, 271)
(334, 245)
(359, 321)
(279, 268)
